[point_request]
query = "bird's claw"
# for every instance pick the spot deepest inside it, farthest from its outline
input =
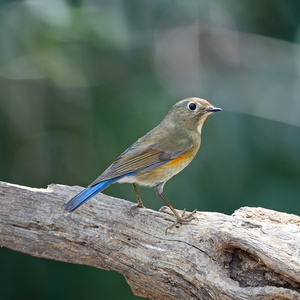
(139, 204)
(182, 219)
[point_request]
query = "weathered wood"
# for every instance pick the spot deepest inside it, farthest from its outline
(253, 254)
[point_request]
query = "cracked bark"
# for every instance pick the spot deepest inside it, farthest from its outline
(252, 254)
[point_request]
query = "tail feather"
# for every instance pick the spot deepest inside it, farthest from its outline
(87, 193)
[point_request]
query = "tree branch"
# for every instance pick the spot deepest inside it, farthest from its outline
(253, 254)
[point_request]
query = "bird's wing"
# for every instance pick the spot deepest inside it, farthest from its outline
(138, 157)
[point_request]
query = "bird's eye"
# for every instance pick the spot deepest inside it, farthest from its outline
(192, 106)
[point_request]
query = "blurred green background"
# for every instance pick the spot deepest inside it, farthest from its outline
(81, 80)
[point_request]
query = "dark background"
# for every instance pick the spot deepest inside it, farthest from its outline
(80, 81)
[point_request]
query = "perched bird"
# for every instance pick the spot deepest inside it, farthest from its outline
(157, 156)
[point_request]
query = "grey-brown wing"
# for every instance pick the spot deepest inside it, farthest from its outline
(136, 158)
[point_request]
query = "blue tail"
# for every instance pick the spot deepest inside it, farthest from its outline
(87, 193)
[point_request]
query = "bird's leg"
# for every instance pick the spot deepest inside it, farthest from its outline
(180, 219)
(140, 203)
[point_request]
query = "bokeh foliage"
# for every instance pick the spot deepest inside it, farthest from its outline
(82, 80)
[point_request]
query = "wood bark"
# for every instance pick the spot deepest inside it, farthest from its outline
(252, 254)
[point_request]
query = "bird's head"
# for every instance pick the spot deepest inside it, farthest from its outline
(192, 112)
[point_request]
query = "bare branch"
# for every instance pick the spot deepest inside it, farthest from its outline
(253, 254)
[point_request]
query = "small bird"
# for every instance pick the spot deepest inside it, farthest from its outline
(157, 156)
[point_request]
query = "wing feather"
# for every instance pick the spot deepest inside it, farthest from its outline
(132, 161)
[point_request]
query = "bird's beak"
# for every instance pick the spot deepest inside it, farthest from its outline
(213, 109)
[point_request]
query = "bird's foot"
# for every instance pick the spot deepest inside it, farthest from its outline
(139, 204)
(182, 219)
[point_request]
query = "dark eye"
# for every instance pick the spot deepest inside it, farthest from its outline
(192, 106)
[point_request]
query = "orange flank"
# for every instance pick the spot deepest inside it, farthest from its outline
(167, 170)
(185, 157)
(179, 163)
